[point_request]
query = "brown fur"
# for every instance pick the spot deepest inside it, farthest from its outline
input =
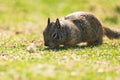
(75, 28)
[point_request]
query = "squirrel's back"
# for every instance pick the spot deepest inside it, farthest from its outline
(89, 26)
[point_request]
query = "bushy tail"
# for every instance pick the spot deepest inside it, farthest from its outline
(111, 34)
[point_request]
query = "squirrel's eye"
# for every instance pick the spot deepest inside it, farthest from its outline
(54, 35)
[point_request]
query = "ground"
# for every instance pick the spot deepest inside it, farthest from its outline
(23, 55)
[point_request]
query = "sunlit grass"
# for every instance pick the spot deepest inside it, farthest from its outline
(22, 23)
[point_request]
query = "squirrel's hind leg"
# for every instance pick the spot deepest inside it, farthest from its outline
(96, 42)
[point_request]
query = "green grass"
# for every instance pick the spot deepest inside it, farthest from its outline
(22, 22)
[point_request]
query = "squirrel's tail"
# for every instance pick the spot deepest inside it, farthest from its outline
(111, 34)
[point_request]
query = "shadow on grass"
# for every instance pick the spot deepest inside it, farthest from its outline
(67, 48)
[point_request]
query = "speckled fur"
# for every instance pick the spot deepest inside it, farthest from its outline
(75, 28)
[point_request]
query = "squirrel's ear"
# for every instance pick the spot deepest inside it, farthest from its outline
(48, 21)
(57, 23)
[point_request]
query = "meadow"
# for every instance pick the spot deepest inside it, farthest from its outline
(22, 22)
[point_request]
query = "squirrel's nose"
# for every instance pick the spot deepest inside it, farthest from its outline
(46, 44)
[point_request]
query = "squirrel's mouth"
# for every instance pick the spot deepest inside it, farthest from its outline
(53, 46)
(56, 46)
(50, 45)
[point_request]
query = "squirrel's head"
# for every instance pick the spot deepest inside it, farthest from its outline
(52, 34)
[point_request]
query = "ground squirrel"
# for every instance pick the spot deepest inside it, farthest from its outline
(75, 28)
